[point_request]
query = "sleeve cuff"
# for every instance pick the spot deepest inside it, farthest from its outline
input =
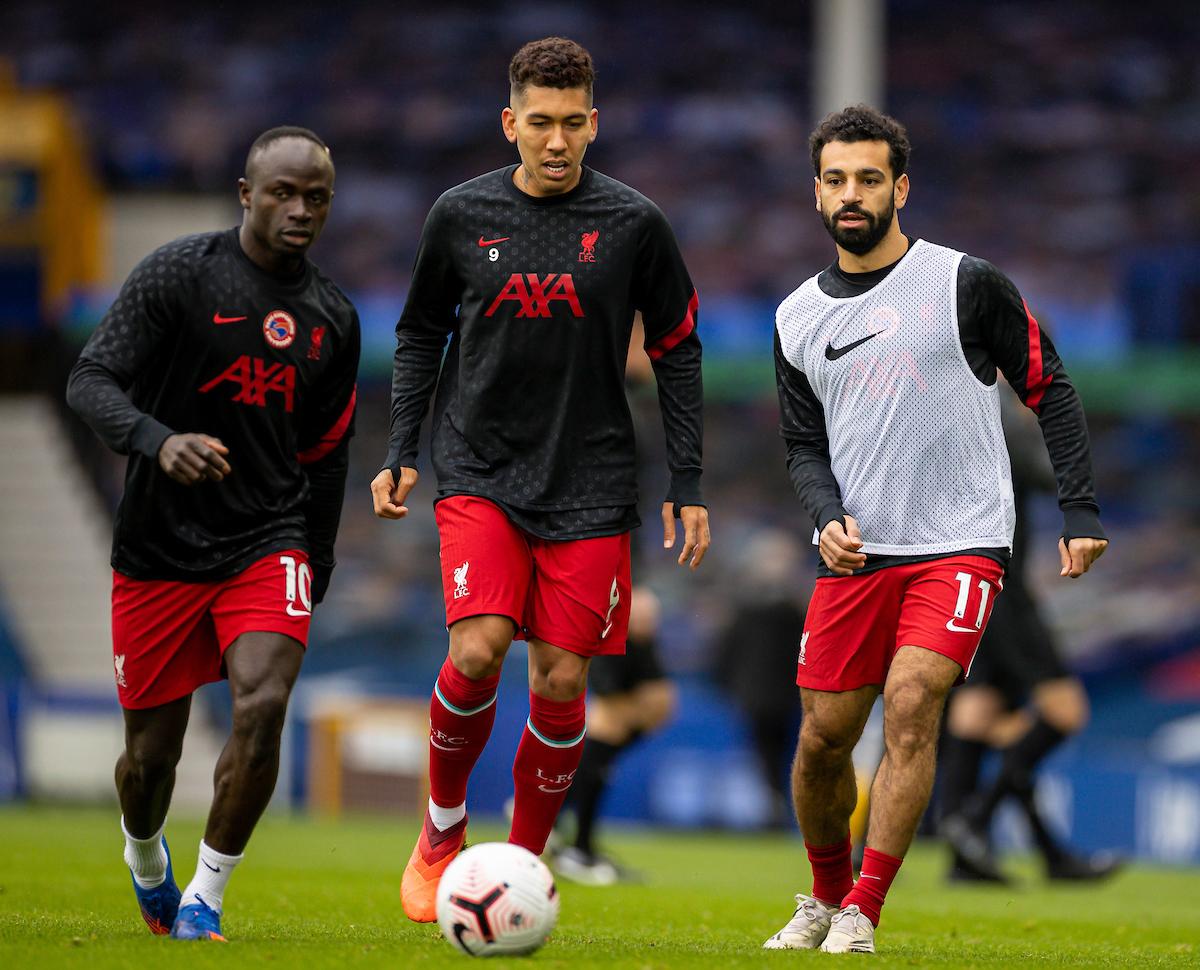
(834, 510)
(1082, 522)
(401, 455)
(148, 437)
(685, 487)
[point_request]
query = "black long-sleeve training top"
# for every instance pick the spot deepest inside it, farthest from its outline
(202, 339)
(536, 299)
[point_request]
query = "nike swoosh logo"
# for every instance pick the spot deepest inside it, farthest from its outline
(217, 318)
(833, 354)
(863, 875)
(492, 242)
(214, 868)
(292, 611)
(950, 625)
(552, 791)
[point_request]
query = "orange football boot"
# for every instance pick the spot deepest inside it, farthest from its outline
(433, 852)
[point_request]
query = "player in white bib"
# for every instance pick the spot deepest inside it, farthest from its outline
(886, 364)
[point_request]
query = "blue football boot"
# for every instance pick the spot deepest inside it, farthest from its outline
(197, 921)
(160, 904)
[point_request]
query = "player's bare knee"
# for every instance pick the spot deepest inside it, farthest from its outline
(478, 650)
(258, 715)
(558, 683)
(477, 659)
(912, 715)
(824, 745)
(148, 761)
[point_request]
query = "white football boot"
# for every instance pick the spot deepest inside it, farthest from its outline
(807, 927)
(850, 932)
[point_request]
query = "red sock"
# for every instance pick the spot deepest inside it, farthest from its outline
(833, 875)
(461, 714)
(546, 760)
(878, 871)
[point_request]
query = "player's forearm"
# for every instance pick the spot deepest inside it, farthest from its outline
(802, 425)
(95, 394)
(323, 513)
(1065, 430)
(681, 402)
(814, 482)
(414, 376)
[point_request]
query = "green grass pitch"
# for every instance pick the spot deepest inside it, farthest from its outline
(319, 894)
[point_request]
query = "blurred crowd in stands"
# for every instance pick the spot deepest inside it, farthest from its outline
(1051, 137)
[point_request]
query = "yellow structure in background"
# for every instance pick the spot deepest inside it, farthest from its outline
(51, 206)
(368, 754)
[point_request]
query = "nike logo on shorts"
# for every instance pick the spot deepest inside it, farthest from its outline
(955, 628)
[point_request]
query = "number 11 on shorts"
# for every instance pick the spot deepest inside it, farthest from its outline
(960, 607)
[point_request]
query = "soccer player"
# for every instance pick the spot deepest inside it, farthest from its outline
(1020, 697)
(239, 357)
(886, 366)
(534, 272)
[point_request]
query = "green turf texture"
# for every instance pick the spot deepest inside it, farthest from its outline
(318, 894)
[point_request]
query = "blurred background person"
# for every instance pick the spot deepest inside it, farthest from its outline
(1020, 698)
(756, 657)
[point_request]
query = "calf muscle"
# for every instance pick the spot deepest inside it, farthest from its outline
(823, 785)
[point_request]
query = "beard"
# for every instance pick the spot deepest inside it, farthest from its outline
(861, 239)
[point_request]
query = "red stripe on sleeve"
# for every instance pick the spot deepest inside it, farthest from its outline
(332, 438)
(659, 348)
(1035, 381)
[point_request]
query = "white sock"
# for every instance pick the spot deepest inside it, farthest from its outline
(146, 858)
(212, 875)
(443, 818)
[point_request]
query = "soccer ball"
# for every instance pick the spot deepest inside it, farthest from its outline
(496, 898)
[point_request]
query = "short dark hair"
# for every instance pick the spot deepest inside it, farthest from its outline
(553, 62)
(272, 135)
(861, 122)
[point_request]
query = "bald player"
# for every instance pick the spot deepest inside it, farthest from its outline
(225, 370)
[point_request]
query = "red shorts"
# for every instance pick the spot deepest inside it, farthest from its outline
(855, 624)
(169, 637)
(573, 594)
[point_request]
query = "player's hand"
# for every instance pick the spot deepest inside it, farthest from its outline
(696, 537)
(839, 547)
(191, 458)
(388, 496)
(1077, 558)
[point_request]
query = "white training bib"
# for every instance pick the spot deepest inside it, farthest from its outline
(915, 439)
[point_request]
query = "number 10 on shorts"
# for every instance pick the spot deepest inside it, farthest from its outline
(960, 607)
(299, 586)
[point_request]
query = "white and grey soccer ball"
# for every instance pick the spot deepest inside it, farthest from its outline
(496, 898)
